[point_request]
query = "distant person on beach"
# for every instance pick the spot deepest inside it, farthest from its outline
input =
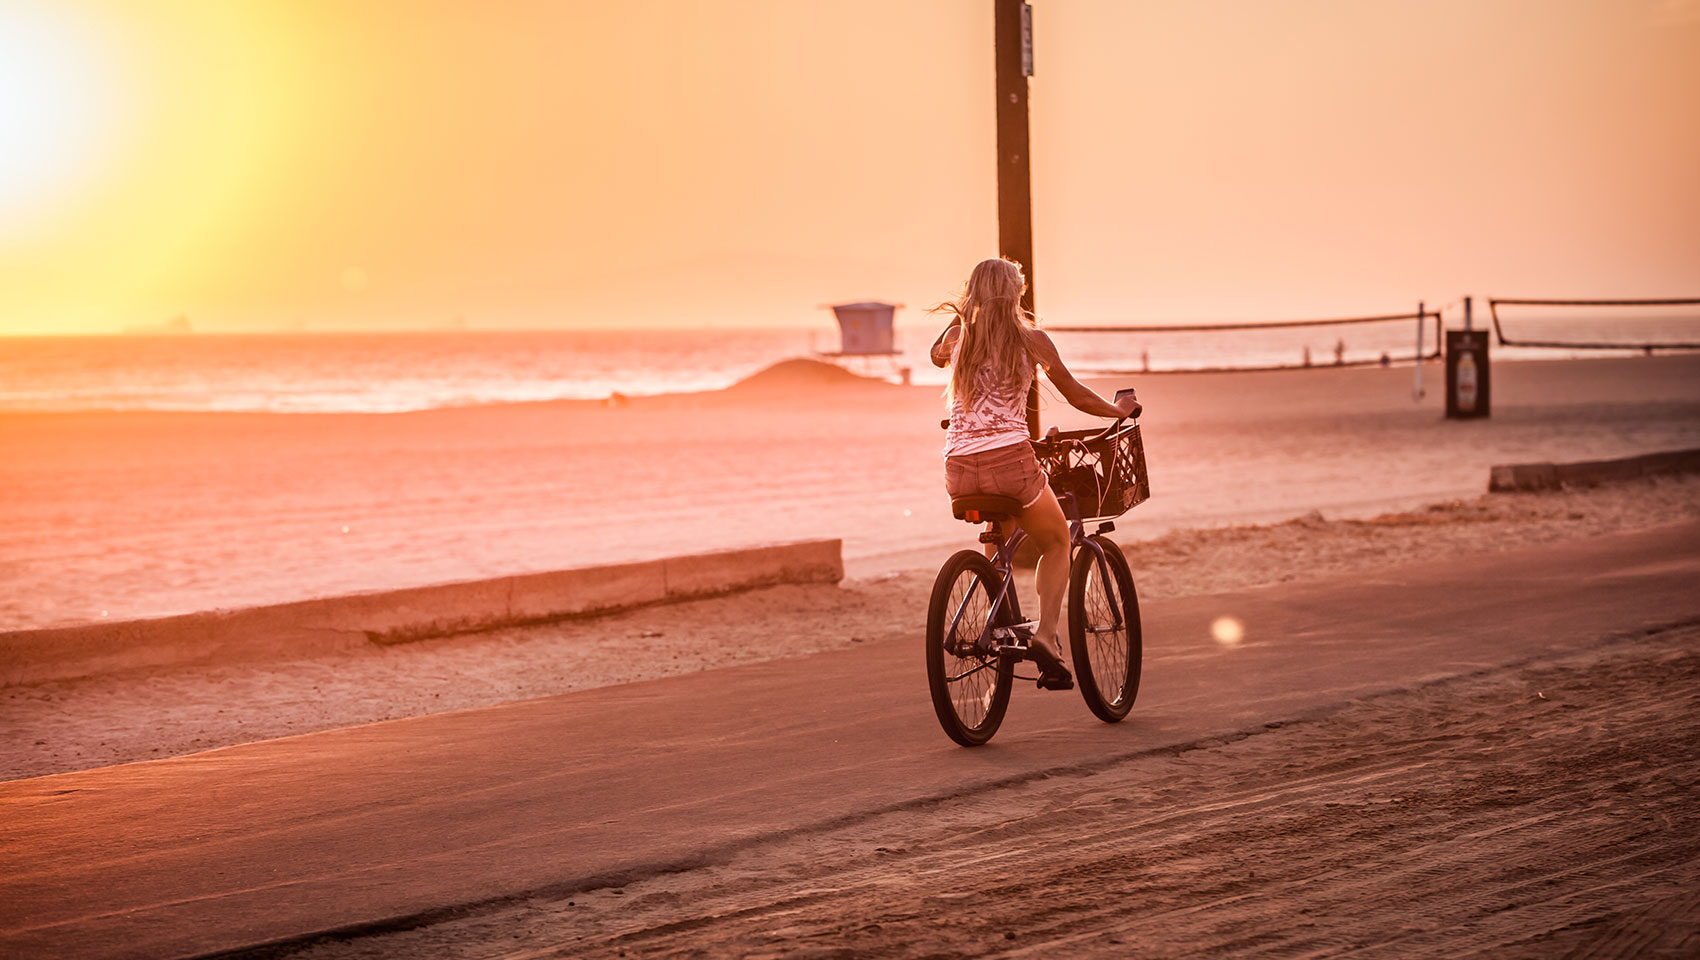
(994, 345)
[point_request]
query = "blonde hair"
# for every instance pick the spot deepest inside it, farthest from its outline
(993, 321)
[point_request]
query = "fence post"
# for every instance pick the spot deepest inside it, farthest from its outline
(1417, 383)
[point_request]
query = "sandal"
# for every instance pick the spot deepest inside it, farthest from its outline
(1052, 674)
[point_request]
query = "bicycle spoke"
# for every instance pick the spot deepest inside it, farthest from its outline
(1106, 634)
(969, 684)
(984, 664)
(970, 687)
(962, 607)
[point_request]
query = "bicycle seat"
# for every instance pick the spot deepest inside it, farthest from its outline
(984, 507)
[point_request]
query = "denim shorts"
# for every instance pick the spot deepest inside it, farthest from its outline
(1010, 471)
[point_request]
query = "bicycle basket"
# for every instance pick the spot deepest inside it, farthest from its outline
(1106, 477)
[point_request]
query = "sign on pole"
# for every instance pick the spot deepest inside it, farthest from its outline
(1026, 39)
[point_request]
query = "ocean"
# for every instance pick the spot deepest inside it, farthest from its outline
(402, 371)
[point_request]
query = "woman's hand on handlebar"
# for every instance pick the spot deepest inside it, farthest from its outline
(1128, 406)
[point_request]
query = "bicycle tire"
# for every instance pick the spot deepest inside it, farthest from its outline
(1107, 660)
(969, 693)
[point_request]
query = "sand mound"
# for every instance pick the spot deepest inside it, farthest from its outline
(800, 372)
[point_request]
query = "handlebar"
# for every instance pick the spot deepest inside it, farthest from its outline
(1138, 408)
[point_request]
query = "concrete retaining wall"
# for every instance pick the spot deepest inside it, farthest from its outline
(311, 628)
(1587, 473)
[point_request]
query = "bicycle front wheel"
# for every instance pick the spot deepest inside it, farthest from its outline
(1104, 635)
(969, 685)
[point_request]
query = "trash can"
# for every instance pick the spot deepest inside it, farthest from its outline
(1468, 392)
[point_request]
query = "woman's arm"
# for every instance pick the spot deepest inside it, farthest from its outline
(1079, 395)
(945, 345)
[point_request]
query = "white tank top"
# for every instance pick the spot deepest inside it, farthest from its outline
(998, 417)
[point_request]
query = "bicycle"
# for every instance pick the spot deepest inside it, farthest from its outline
(975, 631)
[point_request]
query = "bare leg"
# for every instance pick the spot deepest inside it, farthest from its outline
(1048, 529)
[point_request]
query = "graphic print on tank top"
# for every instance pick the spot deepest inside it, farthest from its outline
(998, 417)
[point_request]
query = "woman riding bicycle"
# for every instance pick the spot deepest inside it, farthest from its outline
(994, 345)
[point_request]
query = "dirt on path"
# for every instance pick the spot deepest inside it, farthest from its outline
(1544, 810)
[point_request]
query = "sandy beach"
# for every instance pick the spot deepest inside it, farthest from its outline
(127, 515)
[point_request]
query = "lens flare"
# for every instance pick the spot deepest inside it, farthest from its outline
(1227, 631)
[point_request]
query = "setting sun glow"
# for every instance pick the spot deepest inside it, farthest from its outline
(135, 142)
(57, 100)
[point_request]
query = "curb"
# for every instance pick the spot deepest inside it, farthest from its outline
(327, 625)
(1587, 473)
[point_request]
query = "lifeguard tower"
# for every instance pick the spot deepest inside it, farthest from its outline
(865, 333)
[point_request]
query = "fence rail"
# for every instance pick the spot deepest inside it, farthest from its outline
(1267, 325)
(1419, 351)
(1494, 303)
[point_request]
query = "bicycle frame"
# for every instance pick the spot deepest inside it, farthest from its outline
(1004, 563)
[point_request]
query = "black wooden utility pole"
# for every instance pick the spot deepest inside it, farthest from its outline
(1014, 44)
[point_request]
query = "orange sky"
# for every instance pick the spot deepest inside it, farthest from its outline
(399, 163)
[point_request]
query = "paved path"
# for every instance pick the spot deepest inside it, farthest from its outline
(363, 827)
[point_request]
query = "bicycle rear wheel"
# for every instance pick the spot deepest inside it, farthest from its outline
(1104, 635)
(970, 688)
